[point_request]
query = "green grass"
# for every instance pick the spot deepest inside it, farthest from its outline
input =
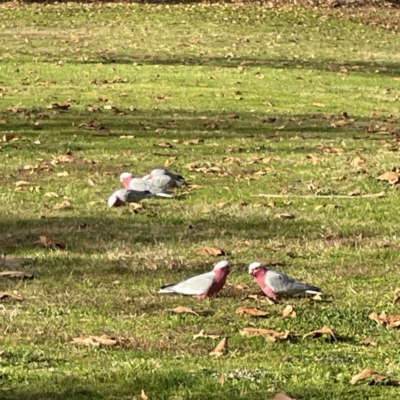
(183, 70)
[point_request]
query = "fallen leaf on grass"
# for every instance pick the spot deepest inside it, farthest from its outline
(285, 216)
(369, 342)
(319, 332)
(183, 309)
(170, 161)
(9, 138)
(357, 162)
(193, 141)
(143, 395)
(164, 145)
(261, 299)
(59, 106)
(382, 319)
(22, 183)
(288, 311)
(313, 159)
(103, 340)
(62, 174)
(5, 295)
(390, 177)
(268, 334)
(16, 274)
(202, 335)
(252, 311)
(377, 377)
(221, 378)
(63, 204)
(48, 242)
(211, 251)
(220, 349)
(282, 396)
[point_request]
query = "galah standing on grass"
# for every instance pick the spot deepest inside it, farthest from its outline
(154, 187)
(204, 285)
(161, 174)
(122, 196)
(274, 283)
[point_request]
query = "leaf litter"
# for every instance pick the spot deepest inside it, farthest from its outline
(376, 378)
(251, 311)
(103, 341)
(269, 335)
(220, 349)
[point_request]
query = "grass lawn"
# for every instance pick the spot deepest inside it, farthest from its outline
(242, 101)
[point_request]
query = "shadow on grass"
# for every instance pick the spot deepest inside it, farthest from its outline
(166, 124)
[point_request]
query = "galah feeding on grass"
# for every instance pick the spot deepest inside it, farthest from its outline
(141, 185)
(165, 177)
(204, 285)
(274, 283)
(122, 196)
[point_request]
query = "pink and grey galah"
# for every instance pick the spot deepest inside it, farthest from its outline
(141, 185)
(122, 196)
(275, 284)
(163, 176)
(204, 285)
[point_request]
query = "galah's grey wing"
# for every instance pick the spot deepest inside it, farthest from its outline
(193, 286)
(138, 185)
(284, 284)
(161, 181)
(134, 196)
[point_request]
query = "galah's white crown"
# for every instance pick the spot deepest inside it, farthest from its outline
(253, 266)
(125, 175)
(222, 264)
(112, 200)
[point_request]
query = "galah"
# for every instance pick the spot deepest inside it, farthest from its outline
(161, 174)
(274, 283)
(141, 185)
(122, 196)
(204, 285)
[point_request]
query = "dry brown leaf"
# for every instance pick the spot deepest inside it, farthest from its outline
(282, 396)
(183, 309)
(288, 311)
(390, 177)
(366, 373)
(5, 295)
(21, 183)
(103, 340)
(268, 334)
(261, 299)
(164, 145)
(285, 216)
(242, 286)
(63, 204)
(62, 174)
(16, 274)
(211, 251)
(221, 379)
(202, 335)
(252, 311)
(318, 105)
(91, 182)
(143, 395)
(51, 194)
(170, 161)
(369, 342)
(9, 138)
(193, 141)
(48, 242)
(319, 332)
(388, 320)
(59, 106)
(220, 349)
(356, 162)
(314, 159)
